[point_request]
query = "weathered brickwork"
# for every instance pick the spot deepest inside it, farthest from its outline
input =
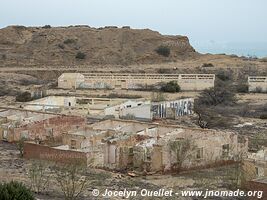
(44, 129)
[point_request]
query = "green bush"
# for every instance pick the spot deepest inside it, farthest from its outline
(171, 87)
(15, 191)
(46, 26)
(3, 91)
(80, 55)
(258, 90)
(3, 56)
(61, 46)
(165, 71)
(223, 75)
(163, 50)
(263, 116)
(24, 97)
(207, 65)
(242, 88)
(69, 41)
(221, 94)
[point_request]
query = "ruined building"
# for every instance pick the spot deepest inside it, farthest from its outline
(140, 109)
(194, 82)
(149, 147)
(35, 126)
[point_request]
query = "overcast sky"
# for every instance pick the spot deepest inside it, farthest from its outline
(215, 26)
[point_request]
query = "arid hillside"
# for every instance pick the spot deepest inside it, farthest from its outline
(82, 45)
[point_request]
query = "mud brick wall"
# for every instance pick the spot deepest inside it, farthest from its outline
(56, 125)
(35, 151)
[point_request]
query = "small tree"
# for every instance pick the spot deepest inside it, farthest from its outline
(39, 176)
(47, 26)
(242, 88)
(224, 75)
(20, 145)
(15, 191)
(3, 91)
(210, 105)
(183, 150)
(242, 172)
(258, 90)
(163, 51)
(158, 96)
(171, 87)
(222, 93)
(72, 179)
(24, 97)
(207, 65)
(69, 41)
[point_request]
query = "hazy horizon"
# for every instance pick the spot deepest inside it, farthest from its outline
(225, 26)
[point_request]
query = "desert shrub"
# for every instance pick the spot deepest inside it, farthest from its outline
(3, 91)
(220, 94)
(171, 87)
(183, 150)
(163, 51)
(263, 116)
(124, 96)
(3, 56)
(20, 146)
(39, 176)
(223, 75)
(207, 65)
(263, 59)
(24, 97)
(15, 190)
(46, 26)
(27, 82)
(158, 96)
(242, 88)
(80, 55)
(71, 179)
(164, 71)
(210, 106)
(69, 41)
(258, 90)
(146, 87)
(61, 46)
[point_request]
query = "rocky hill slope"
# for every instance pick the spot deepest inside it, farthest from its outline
(82, 45)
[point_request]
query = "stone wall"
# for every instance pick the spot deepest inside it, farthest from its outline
(136, 81)
(35, 151)
(257, 83)
(45, 129)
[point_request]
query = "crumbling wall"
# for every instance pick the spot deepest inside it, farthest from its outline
(137, 81)
(257, 83)
(46, 129)
(70, 80)
(35, 151)
(210, 143)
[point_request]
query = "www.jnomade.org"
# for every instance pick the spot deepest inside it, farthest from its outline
(169, 193)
